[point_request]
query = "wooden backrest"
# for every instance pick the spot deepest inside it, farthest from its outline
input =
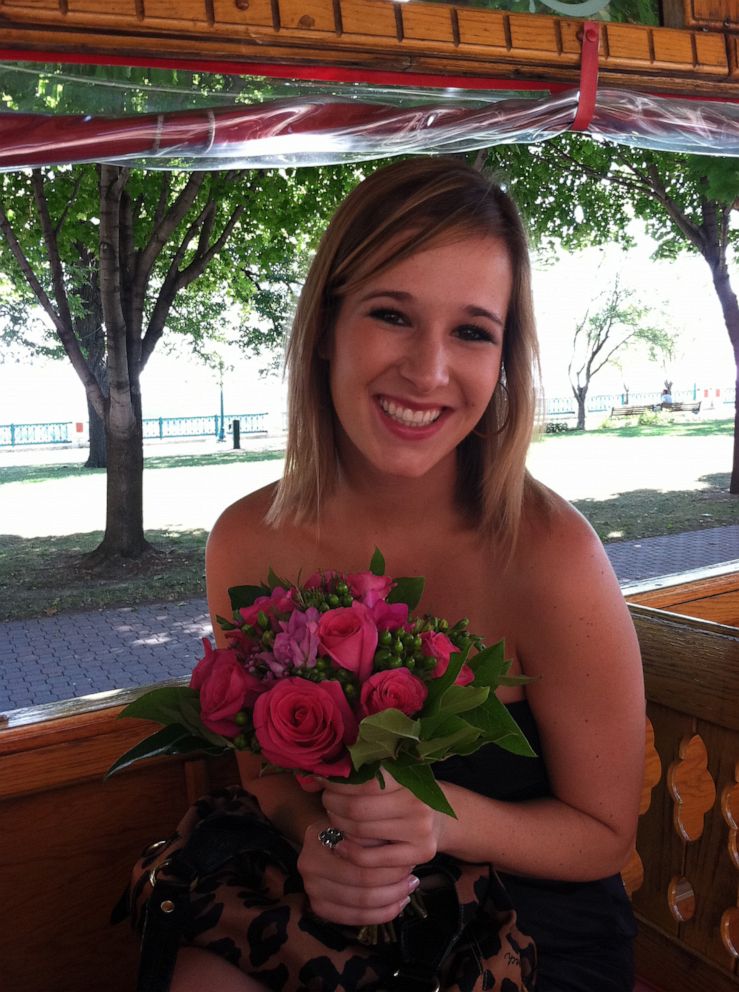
(685, 881)
(69, 839)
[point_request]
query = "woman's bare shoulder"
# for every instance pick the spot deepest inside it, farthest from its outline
(555, 536)
(250, 510)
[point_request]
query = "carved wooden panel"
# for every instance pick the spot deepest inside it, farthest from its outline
(692, 788)
(681, 899)
(633, 872)
(730, 811)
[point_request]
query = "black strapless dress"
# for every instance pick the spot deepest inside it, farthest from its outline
(583, 930)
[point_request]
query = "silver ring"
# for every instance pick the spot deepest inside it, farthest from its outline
(330, 837)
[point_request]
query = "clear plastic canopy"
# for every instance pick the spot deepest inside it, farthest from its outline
(173, 119)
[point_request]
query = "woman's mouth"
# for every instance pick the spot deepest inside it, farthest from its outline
(406, 416)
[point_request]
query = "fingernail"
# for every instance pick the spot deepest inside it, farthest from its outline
(405, 903)
(413, 883)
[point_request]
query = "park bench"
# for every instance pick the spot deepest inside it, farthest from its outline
(636, 410)
(70, 838)
(682, 407)
(633, 411)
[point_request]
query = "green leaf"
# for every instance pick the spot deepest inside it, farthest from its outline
(490, 665)
(173, 739)
(461, 741)
(419, 778)
(274, 580)
(437, 687)
(225, 624)
(407, 590)
(173, 704)
(165, 704)
(241, 596)
(460, 698)
(499, 727)
(380, 736)
(377, 565)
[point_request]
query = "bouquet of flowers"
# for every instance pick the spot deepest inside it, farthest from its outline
(335, 677)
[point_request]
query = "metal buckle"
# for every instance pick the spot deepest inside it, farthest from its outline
(156, 869)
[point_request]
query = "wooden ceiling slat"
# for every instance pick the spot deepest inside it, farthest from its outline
(375, 34)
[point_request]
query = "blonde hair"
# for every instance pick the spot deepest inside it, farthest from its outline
(395, 212)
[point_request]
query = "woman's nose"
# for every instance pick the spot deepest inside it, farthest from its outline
(426, 363)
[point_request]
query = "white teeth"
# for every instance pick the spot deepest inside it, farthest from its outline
(409, 418)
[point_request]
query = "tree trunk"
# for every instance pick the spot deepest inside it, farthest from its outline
(124, 518)
(730, 309)
(98, 453)
(580, 393)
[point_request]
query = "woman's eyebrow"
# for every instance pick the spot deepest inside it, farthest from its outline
(474, 311)
(404, 297)
(395, 294)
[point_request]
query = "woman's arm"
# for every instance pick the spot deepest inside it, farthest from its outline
(574, 635)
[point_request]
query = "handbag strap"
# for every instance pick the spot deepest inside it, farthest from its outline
(212, 844)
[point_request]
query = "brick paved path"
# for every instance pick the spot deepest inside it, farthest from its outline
(75, 654)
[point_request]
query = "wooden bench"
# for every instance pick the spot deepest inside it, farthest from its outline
(69, 839)
(682, 407)
(633, 411)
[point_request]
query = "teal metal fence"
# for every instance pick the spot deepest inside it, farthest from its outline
(17, 434)
(170, 427)
(155, 428)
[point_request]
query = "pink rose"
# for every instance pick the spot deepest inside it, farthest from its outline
(437, 646)
(279, 601)
(349, 636)
(396, 689)
(369, 588)
(389, 616)
(225, 689)
(306, 725)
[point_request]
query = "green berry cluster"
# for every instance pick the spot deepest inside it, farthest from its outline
(328, 596)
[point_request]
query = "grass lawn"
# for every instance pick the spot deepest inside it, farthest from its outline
(630, 482)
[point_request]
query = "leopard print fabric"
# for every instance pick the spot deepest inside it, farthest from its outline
(253, 911)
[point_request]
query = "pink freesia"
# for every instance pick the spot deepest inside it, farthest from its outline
(297, 643)
(466, 675)
(396, 688)
(306, 726)
(369, 588)
(348, 635)
(389, 616)
(438, 646)
(279, 601)
(225, 688)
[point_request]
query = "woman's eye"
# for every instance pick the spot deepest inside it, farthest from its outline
(474, 332)
(388, 316)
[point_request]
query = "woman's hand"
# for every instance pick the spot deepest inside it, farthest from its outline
(345, 892)
(367, 814)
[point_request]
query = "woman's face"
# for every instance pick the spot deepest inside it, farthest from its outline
(415, 356)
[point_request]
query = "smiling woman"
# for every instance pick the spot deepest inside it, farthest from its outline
(411, 390)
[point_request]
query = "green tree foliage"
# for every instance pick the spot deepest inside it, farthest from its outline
(576, 191)
(112, 257)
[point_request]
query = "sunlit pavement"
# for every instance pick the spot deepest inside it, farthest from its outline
(76, 654)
